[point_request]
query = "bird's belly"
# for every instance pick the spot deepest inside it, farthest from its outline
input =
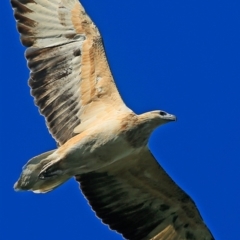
(112, 151)
(93, 154)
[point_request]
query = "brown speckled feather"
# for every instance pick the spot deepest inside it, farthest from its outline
(70, 76)
(139, 200)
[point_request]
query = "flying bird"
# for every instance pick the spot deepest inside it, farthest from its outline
(101, 142)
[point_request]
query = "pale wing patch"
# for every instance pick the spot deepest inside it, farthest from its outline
(138, 199)
(41, 22)
(169, 233)
(70, 76)
(97, 87)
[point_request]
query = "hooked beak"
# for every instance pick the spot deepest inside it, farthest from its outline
(171, 117)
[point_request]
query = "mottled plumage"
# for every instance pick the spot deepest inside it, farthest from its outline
(100, 140)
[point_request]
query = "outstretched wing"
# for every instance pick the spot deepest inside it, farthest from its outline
(70, 76)
(140, 201)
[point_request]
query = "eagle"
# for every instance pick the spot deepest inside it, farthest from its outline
(100, 141)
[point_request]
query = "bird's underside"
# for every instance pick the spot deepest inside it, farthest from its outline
(100, 140)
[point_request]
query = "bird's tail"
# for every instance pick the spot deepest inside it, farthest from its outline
(31, 180)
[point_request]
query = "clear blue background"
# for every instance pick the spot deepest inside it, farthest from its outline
(179, 56)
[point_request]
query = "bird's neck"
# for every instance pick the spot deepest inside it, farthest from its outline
(138, 128)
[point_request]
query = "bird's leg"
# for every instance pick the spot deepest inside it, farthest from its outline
(50, 170)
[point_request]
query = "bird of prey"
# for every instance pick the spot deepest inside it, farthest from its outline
(101, 142)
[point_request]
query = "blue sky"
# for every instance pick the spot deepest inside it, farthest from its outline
(178, 56)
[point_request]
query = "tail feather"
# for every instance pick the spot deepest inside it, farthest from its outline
(29, 179)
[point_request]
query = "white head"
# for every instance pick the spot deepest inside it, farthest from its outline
(163, 117)
(147, 122)
(157, 118)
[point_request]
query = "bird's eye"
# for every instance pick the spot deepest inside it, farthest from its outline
(163, 113)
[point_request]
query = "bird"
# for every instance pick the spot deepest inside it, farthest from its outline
(101, 142)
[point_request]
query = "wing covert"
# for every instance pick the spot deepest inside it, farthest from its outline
(70, 78)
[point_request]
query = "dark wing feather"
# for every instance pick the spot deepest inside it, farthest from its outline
(70, 78)
(140, 201)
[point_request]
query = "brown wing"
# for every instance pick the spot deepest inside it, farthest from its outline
(140, 201)
(70, 76)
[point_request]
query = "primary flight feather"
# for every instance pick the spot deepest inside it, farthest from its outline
(100, 140)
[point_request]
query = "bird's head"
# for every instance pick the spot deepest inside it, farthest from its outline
(162, 117)
(149, 121)
(157, 118)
